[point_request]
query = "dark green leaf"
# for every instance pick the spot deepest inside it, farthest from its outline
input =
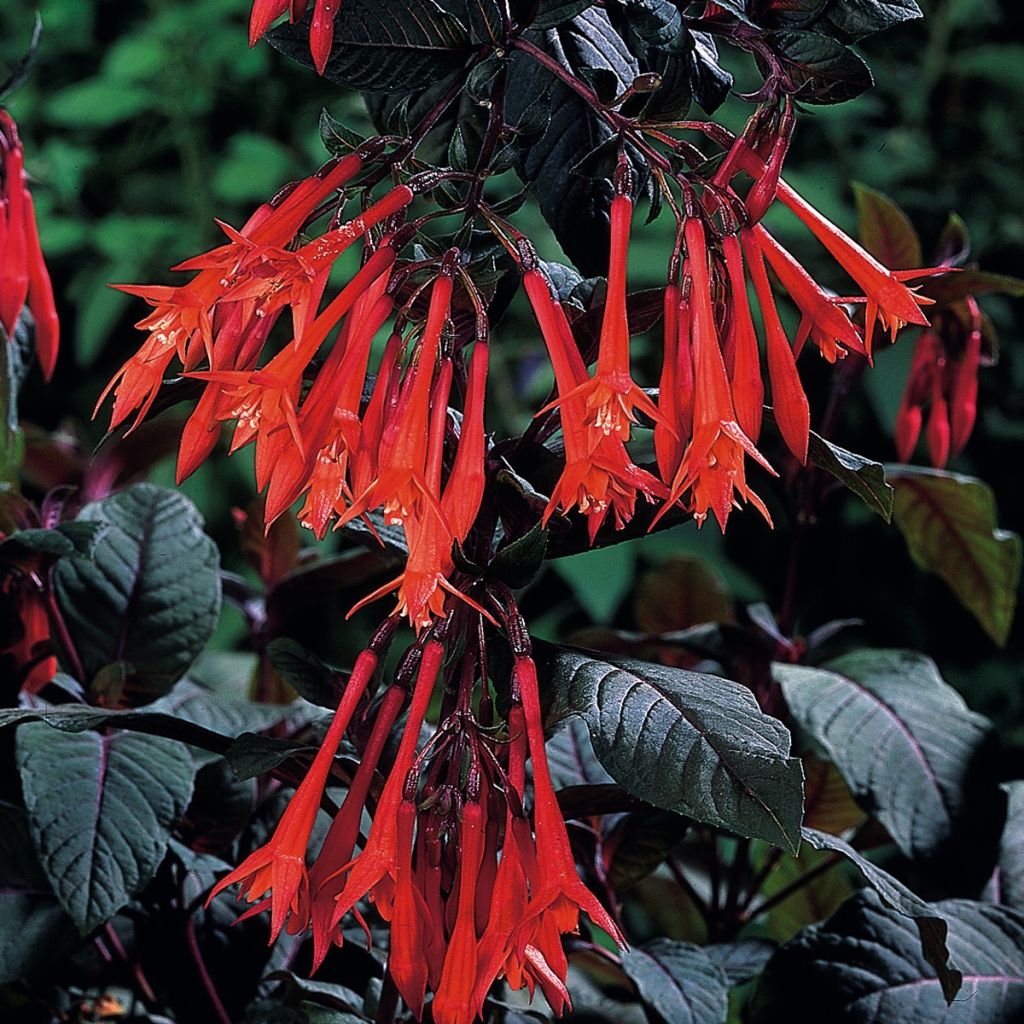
(709, 81)
(685, 742)
(854, 19)
(576, 207)
(34, 930)
(931, 926)
(955, 286)
(820, 69)
(518, 563)
(679, 982)
(571, 757)
(189, 713)
(949, 524)
(741, 960)
(384, 46)
(484, 20)
(885, 230)
(658, 23)
(1007, 884)
(100, 810)
(638, 844)
(150, 593)
(911, 752)
(554, 12)
(865, 965)
(862, 476)
(251, 755)
(338, 139)
(74, 537)
(303, 671)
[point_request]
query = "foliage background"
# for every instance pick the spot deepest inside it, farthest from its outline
(143, 121)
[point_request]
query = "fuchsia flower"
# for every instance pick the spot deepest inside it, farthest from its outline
(24, 279)
(472, 869)
(321, 27)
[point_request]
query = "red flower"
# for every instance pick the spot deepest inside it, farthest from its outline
(792, 412)
(26, 657)
(455, 1001)
(559, 895)
(327, 872)
(23, 274)
(378, 861)
(822, 318)
(321, 28)
(410, 918)
(279, 866)
(713, 464)
(597, 479)
(611, 395)
(744, 357)
(889, 300)
(945, 383)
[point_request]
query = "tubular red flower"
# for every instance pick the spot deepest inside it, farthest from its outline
(792, 411)
(964, 399)
(24, 277)
(328, 871)
(822, 318)
(465, 488)
(454, 1002)
(409, 919)
(888, 299)
(595, 480)
(400, 485)
(559, 894)
(713, 463)
(609, 398)
(278, 867)
(378, 860)
(321, 32)
(747, 384)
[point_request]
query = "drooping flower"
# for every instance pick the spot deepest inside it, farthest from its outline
(27, 659)
(455, 1002)
(823, 319)
(559, 895)
(596, 479)
(888, 299)
(321, 28)
(712, 468)
(944, 380)
(789, 402)
(279, 866)
(610, 396)
(744, 360)
(24, 278)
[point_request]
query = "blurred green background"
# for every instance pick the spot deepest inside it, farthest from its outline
(144, 121)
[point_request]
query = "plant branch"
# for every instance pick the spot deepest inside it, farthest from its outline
(220, 1012)
(795, 886)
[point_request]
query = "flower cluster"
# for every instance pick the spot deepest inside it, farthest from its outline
(23, 274)
(350, 409)
(474, 888)
(319, 439)
(943, 379)
(707, 419)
